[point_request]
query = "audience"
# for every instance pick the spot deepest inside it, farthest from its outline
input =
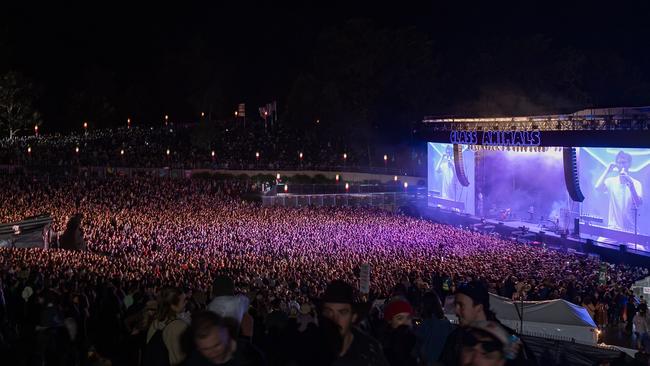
(192, 146)
(162, 251)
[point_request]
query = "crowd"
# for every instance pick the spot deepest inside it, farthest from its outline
(160, 252)
(190, 146)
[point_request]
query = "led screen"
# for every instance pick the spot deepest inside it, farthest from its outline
(614, 182)
(444, 188)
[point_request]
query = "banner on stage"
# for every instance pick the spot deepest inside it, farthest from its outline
(496, 138)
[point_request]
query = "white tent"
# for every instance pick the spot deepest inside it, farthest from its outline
(558, 319)
(642, 288)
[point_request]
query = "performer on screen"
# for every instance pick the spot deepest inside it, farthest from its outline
(625, 193)
(445, 168)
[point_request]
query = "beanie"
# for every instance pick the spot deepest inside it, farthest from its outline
(397, 307)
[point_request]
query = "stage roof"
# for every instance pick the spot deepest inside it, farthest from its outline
(603, 127)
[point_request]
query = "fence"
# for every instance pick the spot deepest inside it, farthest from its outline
(352, 188)
(388, 201)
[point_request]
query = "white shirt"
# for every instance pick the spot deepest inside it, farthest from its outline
(448, 190)
(621, 205)
(230, 306)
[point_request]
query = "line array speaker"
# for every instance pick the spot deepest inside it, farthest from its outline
(571, 176)
(459, 166)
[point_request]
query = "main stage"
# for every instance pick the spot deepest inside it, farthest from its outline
(537, 234)
(574, 181)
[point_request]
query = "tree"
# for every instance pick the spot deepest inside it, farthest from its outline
(16, 104)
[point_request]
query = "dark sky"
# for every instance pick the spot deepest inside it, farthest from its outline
(267, 43)
(264, 46)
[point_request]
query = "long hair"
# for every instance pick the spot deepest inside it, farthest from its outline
(431, 306)
(168, 297)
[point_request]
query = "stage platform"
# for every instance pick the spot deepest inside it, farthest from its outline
(542, 234)
(642, 248)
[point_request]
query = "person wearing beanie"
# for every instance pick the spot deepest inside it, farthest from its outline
(399, 340)
(398, 313)
(337, 306)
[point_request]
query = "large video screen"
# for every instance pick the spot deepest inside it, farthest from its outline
(444, 187)
(614, 182)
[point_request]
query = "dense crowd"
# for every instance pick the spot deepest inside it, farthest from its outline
(190, 146)
(160, 249)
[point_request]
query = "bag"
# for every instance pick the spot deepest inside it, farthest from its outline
(155, 351)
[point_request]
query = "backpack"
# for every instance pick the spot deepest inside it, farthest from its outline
(155, 351)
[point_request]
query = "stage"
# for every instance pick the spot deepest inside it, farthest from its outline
(540, 235)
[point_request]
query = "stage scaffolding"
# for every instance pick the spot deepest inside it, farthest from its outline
(616, 119)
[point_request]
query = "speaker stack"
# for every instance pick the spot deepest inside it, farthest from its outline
(571, 176)
(459, 166)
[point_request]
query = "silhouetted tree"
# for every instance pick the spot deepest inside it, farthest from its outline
(17, 111)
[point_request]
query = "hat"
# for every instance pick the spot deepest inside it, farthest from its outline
(510, 344)
(397, 307)
(338, 291)
(477, 291)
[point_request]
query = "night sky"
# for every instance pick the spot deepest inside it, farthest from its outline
(160, 54)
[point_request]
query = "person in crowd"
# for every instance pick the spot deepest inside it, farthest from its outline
(472, 304)
(432, 333)
(356, 348)
(630, 312)
(305, 318)
(399, 340)
(227, 304)
(588, 304)
(164, 338)
(601, 313)
(216, 342)
(641, 327)
(488, 343)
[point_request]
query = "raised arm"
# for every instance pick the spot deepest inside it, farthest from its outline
(600, 183)
(442, 158)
